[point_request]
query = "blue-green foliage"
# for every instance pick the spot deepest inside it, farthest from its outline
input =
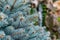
(16, 22)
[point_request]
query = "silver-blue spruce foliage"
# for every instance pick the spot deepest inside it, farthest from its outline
(16, 22)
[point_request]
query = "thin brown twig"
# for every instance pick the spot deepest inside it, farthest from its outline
(13, 5)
